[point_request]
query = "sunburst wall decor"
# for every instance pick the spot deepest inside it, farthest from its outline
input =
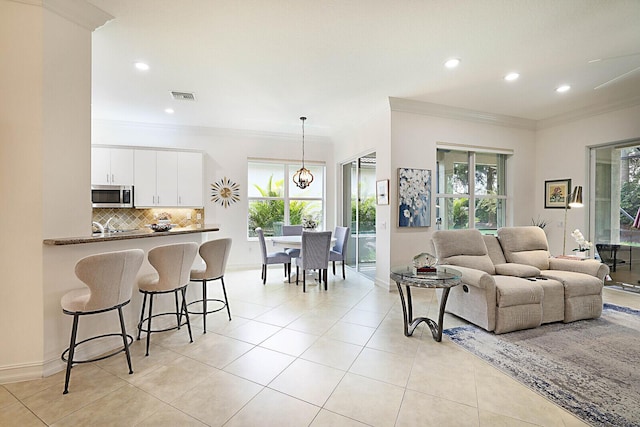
(225, 192)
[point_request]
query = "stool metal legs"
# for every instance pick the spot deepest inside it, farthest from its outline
(180, 310)
(205, 299)
(72, 350)
(73, 344)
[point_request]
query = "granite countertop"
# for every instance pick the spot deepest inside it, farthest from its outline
(136, 234)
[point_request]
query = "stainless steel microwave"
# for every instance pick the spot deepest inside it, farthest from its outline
(112, 196)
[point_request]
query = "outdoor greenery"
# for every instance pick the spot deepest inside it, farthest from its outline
(269, 214)
(460, 213)
(367, 214)
(629, 201)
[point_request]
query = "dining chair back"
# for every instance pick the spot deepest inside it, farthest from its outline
(292, 230)
(314, 255)
(272, 257)
(339, 251)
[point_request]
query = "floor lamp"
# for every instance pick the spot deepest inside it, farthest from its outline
(574, 200)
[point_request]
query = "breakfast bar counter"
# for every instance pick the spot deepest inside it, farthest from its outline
(60, 256)
(136, 234)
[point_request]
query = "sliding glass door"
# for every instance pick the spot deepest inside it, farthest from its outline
(615, 211)
(359, 211)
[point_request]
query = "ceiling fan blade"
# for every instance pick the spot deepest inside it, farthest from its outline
(591, 61)
(621, 76)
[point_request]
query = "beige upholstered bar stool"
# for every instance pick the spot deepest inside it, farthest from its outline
(215, 254)
(110, 277)
(173, 265)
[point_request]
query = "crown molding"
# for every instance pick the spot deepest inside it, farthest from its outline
(209, 131)
(445, 111)
(77, 11)
(590, 111)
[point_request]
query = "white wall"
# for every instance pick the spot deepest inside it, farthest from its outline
(44, 150)
(226, 154)
(562, 152)
(413, 145)
(369, 136)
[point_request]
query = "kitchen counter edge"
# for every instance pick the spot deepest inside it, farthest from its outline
(139, 234)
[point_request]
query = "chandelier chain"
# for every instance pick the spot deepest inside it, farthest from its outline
(303, 119)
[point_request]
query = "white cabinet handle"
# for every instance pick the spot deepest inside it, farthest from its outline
(112, 179)
(107, 177)
(179, 200)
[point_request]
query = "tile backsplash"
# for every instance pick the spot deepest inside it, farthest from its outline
(127, 219)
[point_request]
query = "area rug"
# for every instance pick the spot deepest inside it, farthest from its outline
(590, 367)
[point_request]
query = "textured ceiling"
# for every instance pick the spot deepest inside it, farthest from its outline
(261, 64)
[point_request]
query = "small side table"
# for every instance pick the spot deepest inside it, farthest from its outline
(444, 278)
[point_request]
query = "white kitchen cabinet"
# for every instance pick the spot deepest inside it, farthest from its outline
(144, 190)
(111, 166)
(167, 179)
(190, 179)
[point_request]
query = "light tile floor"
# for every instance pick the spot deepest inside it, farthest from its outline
(335, 358)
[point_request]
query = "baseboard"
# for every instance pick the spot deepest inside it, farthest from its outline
(382, 284)
(23, 372)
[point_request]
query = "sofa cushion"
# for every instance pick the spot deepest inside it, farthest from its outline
(575, 284)
(512, 291)
(518, 270)
(525, 245)
(465, 248)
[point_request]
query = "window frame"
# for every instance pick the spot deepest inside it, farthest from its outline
(289, 167)
(471, 195)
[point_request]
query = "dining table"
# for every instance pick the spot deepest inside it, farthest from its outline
(294, 242)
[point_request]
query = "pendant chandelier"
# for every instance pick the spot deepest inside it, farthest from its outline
(303, 177)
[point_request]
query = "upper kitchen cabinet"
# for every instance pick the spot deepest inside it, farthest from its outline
(111, 166)
(168, 179)
(190, 179)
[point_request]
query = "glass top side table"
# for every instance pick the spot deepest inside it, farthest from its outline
(444, 278)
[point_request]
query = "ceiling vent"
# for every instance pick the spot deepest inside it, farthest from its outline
(183, 96)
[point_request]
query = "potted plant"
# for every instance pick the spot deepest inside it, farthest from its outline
(583, 244)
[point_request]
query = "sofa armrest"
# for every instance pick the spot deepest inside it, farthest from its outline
(590, 266)
(478, 278)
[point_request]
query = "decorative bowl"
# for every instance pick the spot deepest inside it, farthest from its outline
(161, 227)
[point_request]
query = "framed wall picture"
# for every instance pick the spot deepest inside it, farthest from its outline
(556, 192)
(382, 192)
(414, 197)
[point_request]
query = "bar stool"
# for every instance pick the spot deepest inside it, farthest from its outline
(215, 254)
(109, 277)
(173, 265)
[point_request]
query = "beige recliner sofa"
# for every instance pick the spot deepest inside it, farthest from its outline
(511, 282)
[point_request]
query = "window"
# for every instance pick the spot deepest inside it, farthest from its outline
(461, 196)
(274, 200)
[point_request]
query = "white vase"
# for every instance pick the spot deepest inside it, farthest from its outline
(581, 254)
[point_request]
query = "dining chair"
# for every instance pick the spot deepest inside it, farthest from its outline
(339, 251)
(272, 258)
(292, 230)
(314, 255)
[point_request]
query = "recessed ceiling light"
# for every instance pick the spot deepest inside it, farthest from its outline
(511, 77)
(452, 63)
(141, 66)
(169, 110)
(563, 88)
